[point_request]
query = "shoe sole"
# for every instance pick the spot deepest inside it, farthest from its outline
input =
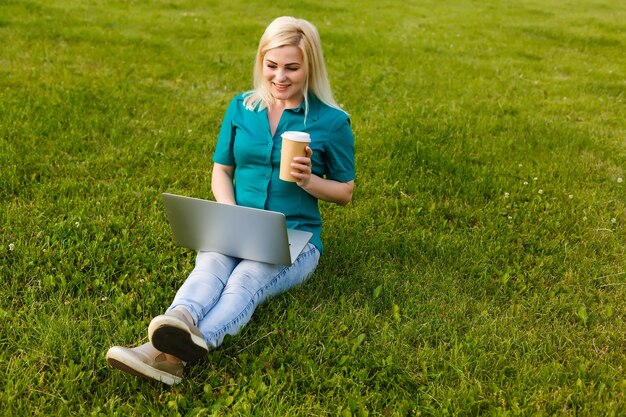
(172, 336)
(132, 366)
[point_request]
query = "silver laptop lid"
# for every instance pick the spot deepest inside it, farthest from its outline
(242, 232)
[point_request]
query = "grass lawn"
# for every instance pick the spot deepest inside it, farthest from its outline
(481, 268)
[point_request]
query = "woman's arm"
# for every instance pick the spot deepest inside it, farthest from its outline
(320, 188)
(329, 190)
(222, 183)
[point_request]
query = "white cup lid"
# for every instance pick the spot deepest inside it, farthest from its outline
(296, 136)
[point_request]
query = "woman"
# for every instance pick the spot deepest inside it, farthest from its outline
(291, 93)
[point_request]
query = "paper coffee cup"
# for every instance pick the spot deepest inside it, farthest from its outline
(294, 144)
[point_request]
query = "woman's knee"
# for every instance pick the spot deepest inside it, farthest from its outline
(215, 263)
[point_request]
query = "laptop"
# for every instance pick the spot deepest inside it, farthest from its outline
(242, 232)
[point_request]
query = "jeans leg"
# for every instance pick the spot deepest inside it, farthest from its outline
(205, 284)
(249, 285)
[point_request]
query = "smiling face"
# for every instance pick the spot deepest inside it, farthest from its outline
(283, 70)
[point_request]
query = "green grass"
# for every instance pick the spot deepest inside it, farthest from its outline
(480, 269)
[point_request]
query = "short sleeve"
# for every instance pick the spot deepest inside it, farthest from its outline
(224, 149)
(340, 154)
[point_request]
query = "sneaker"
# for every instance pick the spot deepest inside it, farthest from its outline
(172, 333)
(146, 362)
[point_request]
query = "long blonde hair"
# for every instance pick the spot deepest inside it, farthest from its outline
(289, 31)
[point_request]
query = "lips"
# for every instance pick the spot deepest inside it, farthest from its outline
(281, 87)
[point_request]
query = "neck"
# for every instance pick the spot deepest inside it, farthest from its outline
(287, 104)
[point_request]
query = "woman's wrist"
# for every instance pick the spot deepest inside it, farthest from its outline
(329, 190)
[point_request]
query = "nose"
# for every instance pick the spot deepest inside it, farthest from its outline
(281, 75)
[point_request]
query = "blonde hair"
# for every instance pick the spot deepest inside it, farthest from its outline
(289, 31)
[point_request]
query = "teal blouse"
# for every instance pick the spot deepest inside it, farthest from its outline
(245, 142)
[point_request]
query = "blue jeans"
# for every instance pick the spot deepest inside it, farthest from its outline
(222, 292)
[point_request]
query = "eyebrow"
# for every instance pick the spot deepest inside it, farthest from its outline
(290, 63)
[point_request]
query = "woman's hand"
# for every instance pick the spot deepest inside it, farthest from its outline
(320, 188)
(302, 168)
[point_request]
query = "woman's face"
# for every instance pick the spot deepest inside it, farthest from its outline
(283, 69)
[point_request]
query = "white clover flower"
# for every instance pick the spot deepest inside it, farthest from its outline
(11, 247)
(540, 191)
(535, 179)
(77, 224)
(584, 218)
(619, 180)
(189, 130)
(510, 218)
(506, 195)
(525, 182)
(520, 165)
(103, 299)
(613, 220)
(571, 196)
